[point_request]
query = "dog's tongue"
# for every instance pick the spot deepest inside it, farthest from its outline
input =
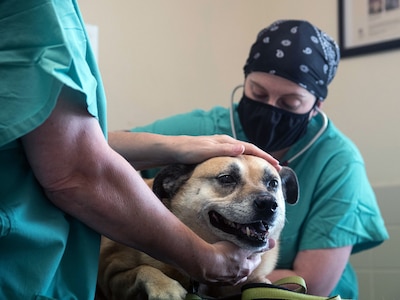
(270, 244)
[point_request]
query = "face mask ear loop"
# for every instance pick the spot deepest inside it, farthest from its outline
(315, 138)
(231, 110)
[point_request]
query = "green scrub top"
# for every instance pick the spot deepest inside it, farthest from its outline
(44, 253)
(337, 205)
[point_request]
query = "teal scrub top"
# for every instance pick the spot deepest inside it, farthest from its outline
(337, 205)
(44, 253)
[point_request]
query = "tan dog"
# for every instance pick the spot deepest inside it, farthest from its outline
(238, 199)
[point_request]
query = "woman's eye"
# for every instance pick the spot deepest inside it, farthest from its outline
(226, 179)
(290, 104)
(260, 96)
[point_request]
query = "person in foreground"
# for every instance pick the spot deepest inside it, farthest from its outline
(287, 74)
(61, 183)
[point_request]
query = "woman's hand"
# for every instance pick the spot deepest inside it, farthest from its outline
(194, 149)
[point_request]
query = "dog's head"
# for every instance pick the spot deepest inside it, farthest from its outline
(239, 199)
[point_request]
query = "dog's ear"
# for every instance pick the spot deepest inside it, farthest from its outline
(290, 185)
(169, 179)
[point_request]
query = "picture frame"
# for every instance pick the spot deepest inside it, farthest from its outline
(368, 26)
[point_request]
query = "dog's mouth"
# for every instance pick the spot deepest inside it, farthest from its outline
(255, 232)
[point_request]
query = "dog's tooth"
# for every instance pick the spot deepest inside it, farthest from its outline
(248, 231)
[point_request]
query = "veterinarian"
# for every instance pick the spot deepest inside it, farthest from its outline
(286, 78)
(61, 183)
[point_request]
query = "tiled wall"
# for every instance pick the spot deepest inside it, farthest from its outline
(379, 269)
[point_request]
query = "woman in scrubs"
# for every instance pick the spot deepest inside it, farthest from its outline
(286, 78)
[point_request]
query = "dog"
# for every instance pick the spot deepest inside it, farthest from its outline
(237, 199)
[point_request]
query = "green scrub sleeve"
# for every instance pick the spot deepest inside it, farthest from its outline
(38, 55)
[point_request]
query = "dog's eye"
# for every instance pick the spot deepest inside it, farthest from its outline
(226, 179)
(273, 184)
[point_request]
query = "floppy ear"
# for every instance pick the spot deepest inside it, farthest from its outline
(290, 185)
(168, 181)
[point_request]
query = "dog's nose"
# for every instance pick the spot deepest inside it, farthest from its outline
(266, 204)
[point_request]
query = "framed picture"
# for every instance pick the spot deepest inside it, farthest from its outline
(367, 26)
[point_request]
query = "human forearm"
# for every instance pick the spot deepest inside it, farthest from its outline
(314, 286)
(146, 150)
(134, 217)
(320, 268)
(142, 150)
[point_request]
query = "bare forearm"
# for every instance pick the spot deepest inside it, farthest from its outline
(117, 204)
(320, 268)
(314, 287)
(146, 150)
(142, 150)
(138, 219)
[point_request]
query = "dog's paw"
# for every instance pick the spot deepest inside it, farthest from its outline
(167, 291)
(157, 285)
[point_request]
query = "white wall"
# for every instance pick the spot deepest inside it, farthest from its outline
(165, 57)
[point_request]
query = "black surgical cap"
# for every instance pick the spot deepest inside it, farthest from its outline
(298, 51)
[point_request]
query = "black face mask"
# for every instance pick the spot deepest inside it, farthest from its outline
(269, 127)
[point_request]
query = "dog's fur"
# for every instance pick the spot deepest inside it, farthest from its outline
(238, 199)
